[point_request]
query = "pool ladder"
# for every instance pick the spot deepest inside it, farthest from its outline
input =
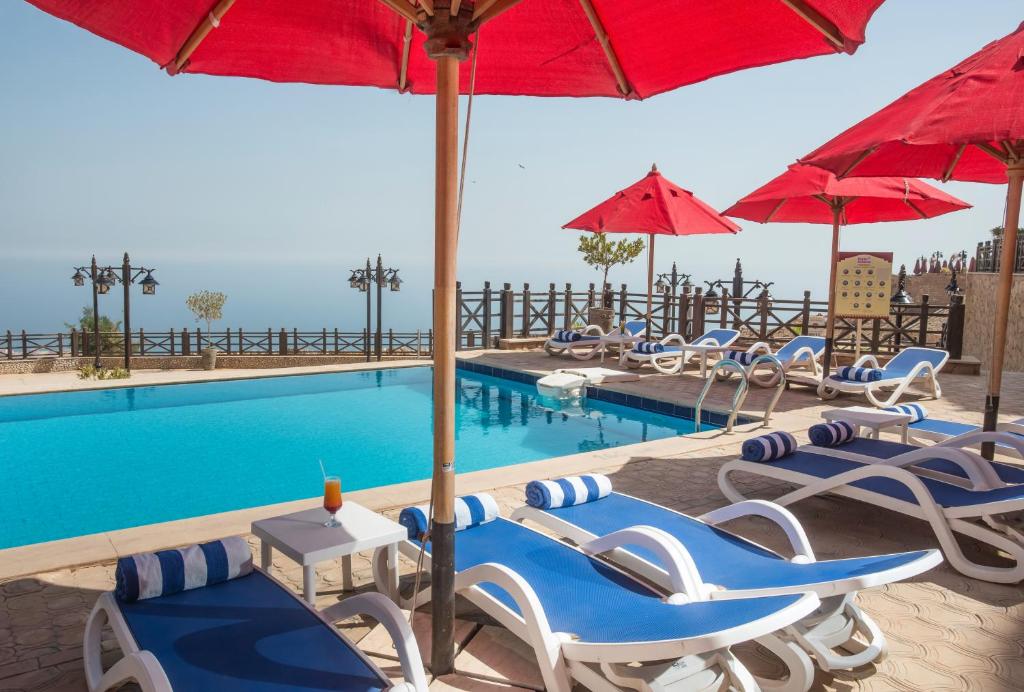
(740, 395)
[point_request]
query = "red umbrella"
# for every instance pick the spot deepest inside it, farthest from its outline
(541, 47)
(964, 124)
(806, 194)
(653, 205)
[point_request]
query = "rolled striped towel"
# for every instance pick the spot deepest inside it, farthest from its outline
(741, 357)
(831, 434)
(567, 335)
(769, 447)
(853, 374)
(568, 491)
(649, 347)
(917, 412)
(470, 511)
(149, 575)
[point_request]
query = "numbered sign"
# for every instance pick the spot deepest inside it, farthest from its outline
(863, 284)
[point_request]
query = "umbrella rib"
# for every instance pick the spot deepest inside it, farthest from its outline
(917, 209)
(991, 151)
(210, 22)
(775, 209)
(952, 164)
(403, 8)
(486, 10)
(606, 45)
(810, 15)
(403, 67)
(856, 162)
(428, 6)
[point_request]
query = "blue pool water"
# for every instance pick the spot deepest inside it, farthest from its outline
(83, 462)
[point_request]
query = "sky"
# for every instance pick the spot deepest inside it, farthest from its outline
(271, 193)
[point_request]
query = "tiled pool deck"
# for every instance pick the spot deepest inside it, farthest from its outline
(946, 631)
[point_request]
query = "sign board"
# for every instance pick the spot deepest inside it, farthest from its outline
(863, 284)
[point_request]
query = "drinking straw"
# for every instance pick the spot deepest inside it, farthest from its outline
(322, 469)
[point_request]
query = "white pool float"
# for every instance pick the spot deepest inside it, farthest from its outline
(569, 383)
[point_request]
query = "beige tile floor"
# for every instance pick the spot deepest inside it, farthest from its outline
(946, 631)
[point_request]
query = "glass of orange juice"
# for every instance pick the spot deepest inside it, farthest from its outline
(332, 499)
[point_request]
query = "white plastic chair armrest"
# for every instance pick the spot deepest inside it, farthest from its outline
(970, 439)
(1015, 427)
(785, 519)
(594, 329)
(866, 359)
(684, 577)
(801, 352)
(381, 609)
(760, 346)
(673, 339)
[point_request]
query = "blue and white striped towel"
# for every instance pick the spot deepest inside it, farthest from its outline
(470, 510)
(853, 374)
(567, 335)
(741, 357)
(917, 412)
(831, 434)
(149, 575)
(649, 347)
(568, 491)
(769, 447)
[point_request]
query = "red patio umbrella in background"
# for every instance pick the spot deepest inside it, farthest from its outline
(807, 194)
(967, 124)
(535, 47)
(653, 205)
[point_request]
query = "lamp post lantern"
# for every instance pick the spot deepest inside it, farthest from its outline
(379, 276)
(102, 280)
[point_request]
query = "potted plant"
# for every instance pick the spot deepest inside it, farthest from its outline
(207, 306)
(603, 254)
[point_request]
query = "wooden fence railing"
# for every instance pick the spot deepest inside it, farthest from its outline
(186, 342)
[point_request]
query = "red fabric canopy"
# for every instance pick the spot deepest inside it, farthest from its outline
(536, 48)
(653, 205)
(805, 194)
(960, 125)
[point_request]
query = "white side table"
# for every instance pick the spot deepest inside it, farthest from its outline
(623, 342)
(873, 419)
(303, 537)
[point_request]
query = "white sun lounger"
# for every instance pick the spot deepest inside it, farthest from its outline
(911, 366)
(741, 568)
(953, 489)
(592, 341)
(800, 353)
(677, 352)
(590, 622)
(964, 434)
(251, 633)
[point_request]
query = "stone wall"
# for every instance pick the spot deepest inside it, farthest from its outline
(182, 362)
(980, 289)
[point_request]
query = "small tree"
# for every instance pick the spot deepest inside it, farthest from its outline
(207, 306)
(110, 337)
(603, 254)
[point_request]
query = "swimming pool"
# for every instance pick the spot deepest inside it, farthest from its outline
(77, 463)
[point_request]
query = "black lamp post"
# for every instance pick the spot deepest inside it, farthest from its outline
(102, 280)
(363, 279)
(898, 300)
(669, 283)
(740, 289)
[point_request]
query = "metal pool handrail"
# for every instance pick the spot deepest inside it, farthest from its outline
(740, 395)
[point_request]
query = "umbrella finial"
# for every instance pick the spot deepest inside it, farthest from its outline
(654, 168)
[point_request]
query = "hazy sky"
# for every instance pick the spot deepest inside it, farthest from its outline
(272, 192)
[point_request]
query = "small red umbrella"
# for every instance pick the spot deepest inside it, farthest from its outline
(628, 50)
(967, 124)
(653, 205)
(807, 194)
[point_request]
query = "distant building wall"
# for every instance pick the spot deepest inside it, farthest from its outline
(980, 313)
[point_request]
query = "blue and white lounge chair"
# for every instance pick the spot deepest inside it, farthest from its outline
(669, 355)
(924, 428)
(741, 568)
(589, 341)
(883, 386)
(954, 490)
(800, 353)
(587, 620)
(249, 633)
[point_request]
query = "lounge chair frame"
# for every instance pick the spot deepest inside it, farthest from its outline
(585, 349)
(703, 661)
(835, 625)
(674, 362)
(1007, 445)
(980, 522)
(886, 392)
(142, 667)
(804, 358)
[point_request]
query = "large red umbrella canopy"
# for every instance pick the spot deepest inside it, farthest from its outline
(653, 205)
(808, 194)
(966, 123)
(534, 47)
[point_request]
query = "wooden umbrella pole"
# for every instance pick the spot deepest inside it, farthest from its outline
(830, 323)
(445, 247)
(1007, 260)
(650, 281)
